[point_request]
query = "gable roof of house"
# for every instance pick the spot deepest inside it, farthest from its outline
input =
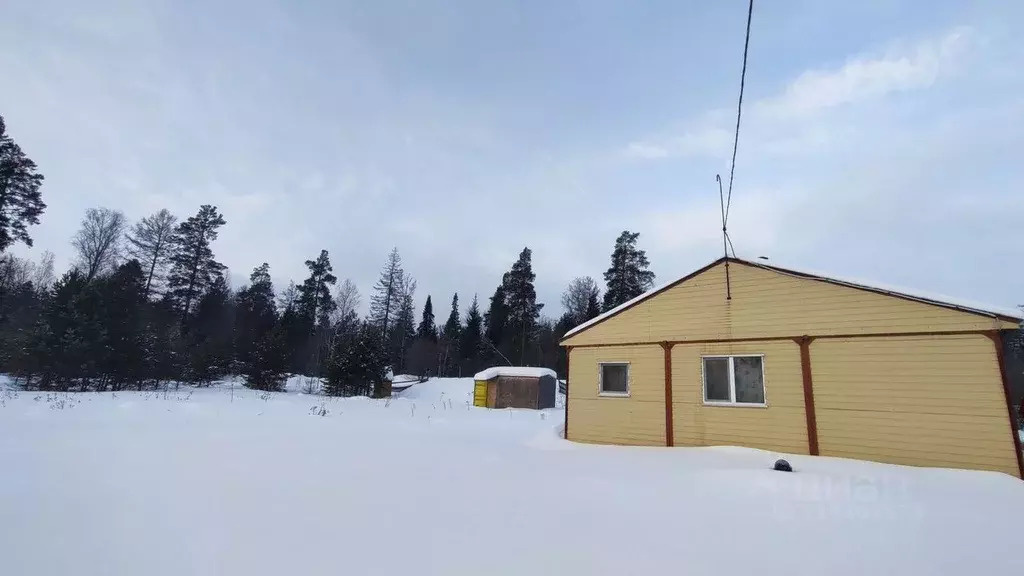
(1001, 313)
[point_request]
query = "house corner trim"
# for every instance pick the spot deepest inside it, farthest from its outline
(997, 341)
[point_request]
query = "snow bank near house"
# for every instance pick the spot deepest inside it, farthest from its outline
(523, 371)
(215, 481)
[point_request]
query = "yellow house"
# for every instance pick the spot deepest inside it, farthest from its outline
(752, 354)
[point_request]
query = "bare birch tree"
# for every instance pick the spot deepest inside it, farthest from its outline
(149, 241)
(98, 242)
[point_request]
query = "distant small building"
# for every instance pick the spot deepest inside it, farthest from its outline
(515, 387)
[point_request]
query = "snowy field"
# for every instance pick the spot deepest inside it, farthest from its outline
(206, 482)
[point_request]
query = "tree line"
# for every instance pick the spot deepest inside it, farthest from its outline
(148, 303)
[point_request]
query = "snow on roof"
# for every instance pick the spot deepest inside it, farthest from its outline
(525, 371)
(955, 303)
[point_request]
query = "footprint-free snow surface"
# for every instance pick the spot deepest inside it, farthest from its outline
(212, 481)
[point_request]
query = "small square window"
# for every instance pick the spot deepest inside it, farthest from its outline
(614, 379)
(737, 380)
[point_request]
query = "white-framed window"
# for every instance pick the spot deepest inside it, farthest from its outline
(734, 380)
(613, 379)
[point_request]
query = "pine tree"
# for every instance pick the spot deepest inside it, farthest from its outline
(315, 301)
(314, 307)
(427, 330)
(628, 276)
(149, 241)
(471, 344)
(523, 309)
(21, 203)
(193, 267)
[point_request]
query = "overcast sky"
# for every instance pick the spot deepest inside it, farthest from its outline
(882, 139)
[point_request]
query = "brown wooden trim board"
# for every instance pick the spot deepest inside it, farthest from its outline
(568, 362)
(780, 338)
(669, 430)
(809, 411)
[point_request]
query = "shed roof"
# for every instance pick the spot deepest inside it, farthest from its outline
(1003, 313)
(521, 371)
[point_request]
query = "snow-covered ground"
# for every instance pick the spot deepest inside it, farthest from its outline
(211, 481)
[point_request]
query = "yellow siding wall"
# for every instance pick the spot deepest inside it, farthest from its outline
(766, 303)
(935, 401)
(638, 419)
(781, 427)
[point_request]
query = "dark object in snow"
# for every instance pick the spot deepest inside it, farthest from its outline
(783, 466)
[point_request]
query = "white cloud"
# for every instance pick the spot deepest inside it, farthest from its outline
(861, 79)
(868, 77)
(647, 151)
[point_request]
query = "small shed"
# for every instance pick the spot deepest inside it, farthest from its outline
(515, 387)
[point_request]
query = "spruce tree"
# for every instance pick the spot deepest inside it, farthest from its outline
(427, 330)
(162, 339)
(628, 276)
(449, 357)
(404, 330)
(385, 302)
(209, 339)
(23, 295)
(391, 310)
(357, 367)
(193, 267)
(593, 308)
(497, 317)
(260, 345)
(471, 344)
(66, 348)
(453, 325)
(21, 203)
(123, 295)
(523, 309)
(295, 333)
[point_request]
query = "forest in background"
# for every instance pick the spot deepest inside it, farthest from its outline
(147, 303)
